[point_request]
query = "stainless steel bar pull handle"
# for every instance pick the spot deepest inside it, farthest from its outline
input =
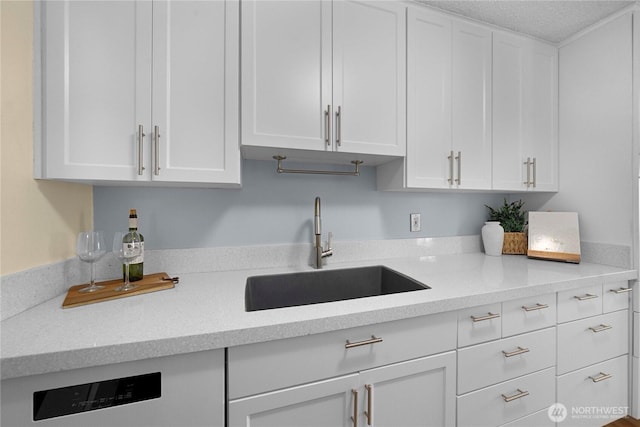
(156, 149)
(528, 165)
(621, 290)
(600, 377)
(585, 297)
(538, 306)
(459, 159)
(489, 316)
(519, 350)
(327, 126)
(354, 418)
(373, 340)
(519, 395)
(339, 126)
(369, 412)
(141, 136)
(600, 328)
(450, 158)
(533, 166)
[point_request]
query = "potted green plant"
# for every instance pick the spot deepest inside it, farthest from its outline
(514, 220)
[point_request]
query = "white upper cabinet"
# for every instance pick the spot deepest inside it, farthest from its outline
(448, 106)
(525, 111)
(369, 78)
(140, 91)
(471, 106)
(429, 63)
(195, 91)
(320, 76)
(286, 73)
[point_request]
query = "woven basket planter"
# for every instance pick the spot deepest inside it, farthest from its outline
(515, 244)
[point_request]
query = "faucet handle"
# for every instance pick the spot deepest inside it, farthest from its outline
(329, 237)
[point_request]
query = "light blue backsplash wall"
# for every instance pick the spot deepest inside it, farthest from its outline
(274, 208)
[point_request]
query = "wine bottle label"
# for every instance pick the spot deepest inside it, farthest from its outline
(128, 248)
(140, 258)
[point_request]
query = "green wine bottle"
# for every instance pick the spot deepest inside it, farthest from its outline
(136, 271)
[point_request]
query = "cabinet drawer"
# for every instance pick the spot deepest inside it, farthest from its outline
(579, 303)
(592, 340)
(616, 296)
(488, 406)
(271, 365)
(528, 314)
(595, 395)
(497, 361)
(479, 324)
(539, 419)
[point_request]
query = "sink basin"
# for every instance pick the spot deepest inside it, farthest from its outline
(313, 287)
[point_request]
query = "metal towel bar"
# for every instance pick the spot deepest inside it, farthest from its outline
(280, 169)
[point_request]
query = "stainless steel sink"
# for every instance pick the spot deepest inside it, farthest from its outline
(294, 289)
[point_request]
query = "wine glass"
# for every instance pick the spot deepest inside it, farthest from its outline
(126, 252)
(90, 248)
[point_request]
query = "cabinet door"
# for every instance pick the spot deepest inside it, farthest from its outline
(428, 99)
(541, 113)
(524, 114)
(369, 92)
(419, 392)
(318, 404)
(195, 92)
(508, 109)
(286, 73)
(96, 89)
(471, 106)
(595, 395)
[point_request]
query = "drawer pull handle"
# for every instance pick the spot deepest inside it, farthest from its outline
(538, 306)
(519, 395)
(620, 291)
(373, 340)
(585, 297)
(520, 350)
(489, 316)
(354, 418)
(369, 413)
(600, 328)
(600, 377)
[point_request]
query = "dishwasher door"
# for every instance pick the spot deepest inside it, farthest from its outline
(181, 390)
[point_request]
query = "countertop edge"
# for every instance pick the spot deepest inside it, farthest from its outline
(13, 367)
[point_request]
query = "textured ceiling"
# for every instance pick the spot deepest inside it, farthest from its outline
(553, 21)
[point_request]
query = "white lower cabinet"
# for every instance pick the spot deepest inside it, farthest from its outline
(592, 340)
(593, 352)
(507, 401)
(595, 395)
(534, 361)
(537, 419)
(396, 374)
(497, 361)
(322, 403)
(418, 392)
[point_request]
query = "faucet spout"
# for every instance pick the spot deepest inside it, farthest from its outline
(317, 226)
(316, 218)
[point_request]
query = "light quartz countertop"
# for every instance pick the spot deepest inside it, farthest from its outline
(205, 311)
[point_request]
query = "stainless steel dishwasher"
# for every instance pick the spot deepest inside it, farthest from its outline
(181, 390)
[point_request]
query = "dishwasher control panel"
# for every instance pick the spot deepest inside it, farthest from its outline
(97, 395)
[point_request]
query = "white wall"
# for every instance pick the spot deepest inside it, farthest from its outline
(39, 220)
(595, 134)
(274, 208)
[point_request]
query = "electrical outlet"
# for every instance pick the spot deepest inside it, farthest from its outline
(414, 222)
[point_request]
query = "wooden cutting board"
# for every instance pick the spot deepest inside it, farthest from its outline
(149, 283)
